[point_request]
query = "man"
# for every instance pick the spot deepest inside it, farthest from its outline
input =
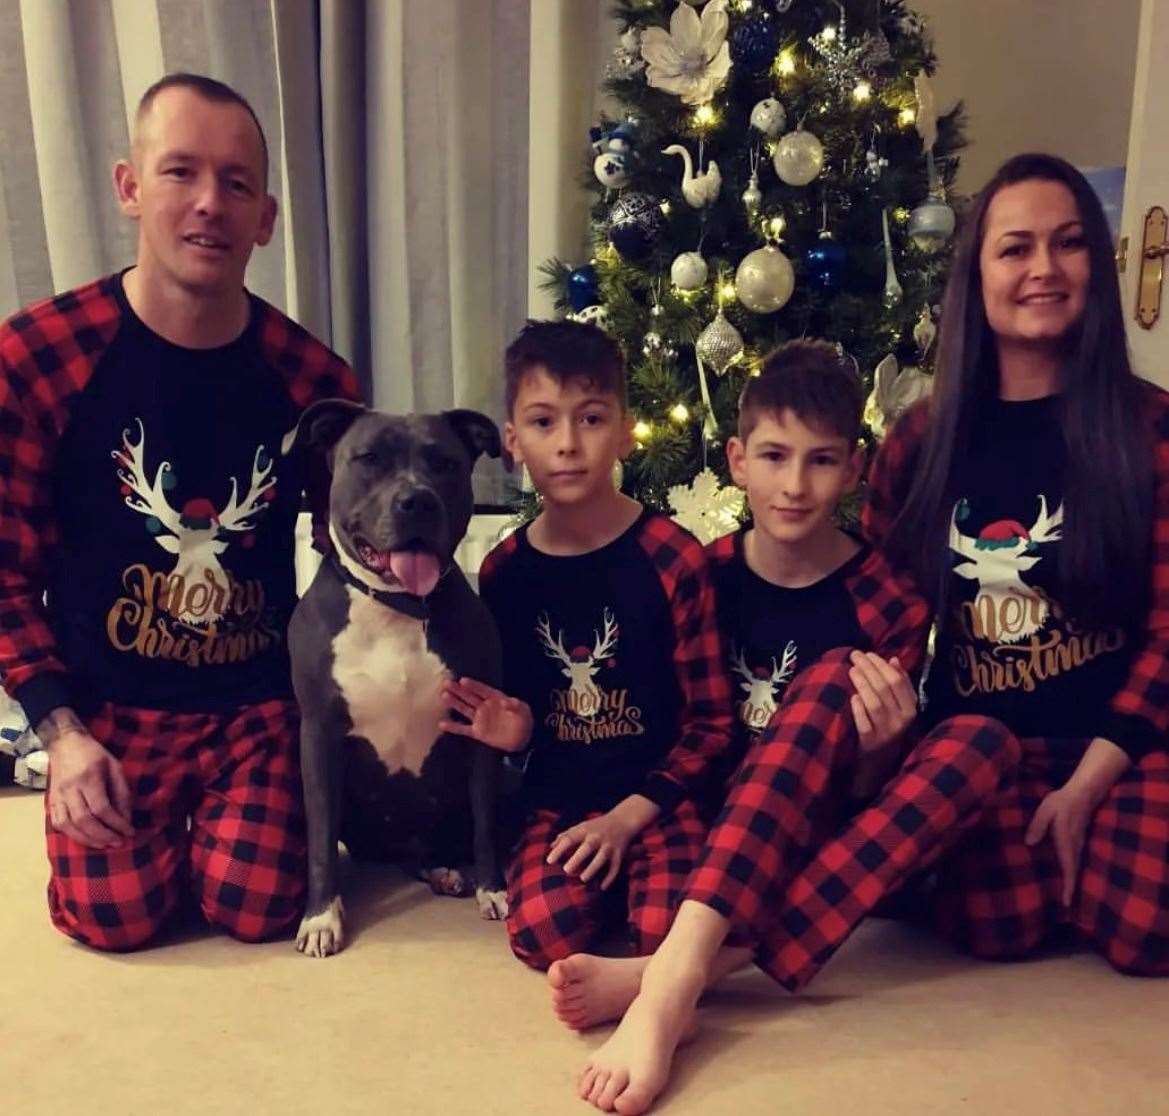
(146, 544)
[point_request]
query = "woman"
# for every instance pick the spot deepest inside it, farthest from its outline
(1032, 503)
(1030, 499)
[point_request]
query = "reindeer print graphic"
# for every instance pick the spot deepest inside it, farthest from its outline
(762, 686)
(581, 665)
(1006, 609)
(198, 532)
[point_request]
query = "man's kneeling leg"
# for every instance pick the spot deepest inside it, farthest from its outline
(248, 834)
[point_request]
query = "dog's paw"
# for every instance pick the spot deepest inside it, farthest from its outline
(492, 904)
(322, 935)
(447, 881)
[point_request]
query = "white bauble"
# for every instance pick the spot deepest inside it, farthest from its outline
(688, 272)
(765, 280)
(611, 170)
(595, 315)
(769, 117)
(798, 158)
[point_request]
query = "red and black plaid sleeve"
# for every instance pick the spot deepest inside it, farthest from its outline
(706, 720)
(892, 614)
(312, 372)
(1139, 713)
(891, 473)
(47, 354)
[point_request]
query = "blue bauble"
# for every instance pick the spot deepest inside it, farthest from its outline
(582, 287)
(635, 223)
(825, 262)
(754, 43)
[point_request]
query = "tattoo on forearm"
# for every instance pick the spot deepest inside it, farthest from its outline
(57, 723)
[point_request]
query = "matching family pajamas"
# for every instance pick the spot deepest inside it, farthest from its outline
(146, 513)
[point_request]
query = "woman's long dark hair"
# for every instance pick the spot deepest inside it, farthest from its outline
(1105, 549)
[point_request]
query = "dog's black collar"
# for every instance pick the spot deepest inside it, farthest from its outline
(405, 603)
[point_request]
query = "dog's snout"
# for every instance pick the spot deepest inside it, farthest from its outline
(416, 501)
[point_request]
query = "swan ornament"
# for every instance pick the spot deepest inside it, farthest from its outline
(699, 190)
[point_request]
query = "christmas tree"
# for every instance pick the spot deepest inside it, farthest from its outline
(776, 169)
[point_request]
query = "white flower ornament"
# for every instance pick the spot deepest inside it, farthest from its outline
(693, 58)
(706, 509)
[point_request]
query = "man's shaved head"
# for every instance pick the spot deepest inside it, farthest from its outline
(207, 88)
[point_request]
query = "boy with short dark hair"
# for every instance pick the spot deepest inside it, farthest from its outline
(612, 653)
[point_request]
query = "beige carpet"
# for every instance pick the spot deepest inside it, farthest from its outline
(427, 1012)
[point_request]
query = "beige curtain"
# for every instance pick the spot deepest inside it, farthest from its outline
(425, 107)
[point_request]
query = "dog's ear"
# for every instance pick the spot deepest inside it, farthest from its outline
(477, 432)
(321, 425)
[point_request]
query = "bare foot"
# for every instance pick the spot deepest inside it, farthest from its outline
(628, 1072)
(588, 990)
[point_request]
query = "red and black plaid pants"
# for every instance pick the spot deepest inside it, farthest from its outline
(217, 810)
(998, 898)
(786, 865)
(553, 915)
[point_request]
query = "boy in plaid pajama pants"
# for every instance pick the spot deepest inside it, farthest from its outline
(146, 546)
(612, 650)
(835, 804)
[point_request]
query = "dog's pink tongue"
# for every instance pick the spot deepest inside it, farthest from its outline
(417, 570)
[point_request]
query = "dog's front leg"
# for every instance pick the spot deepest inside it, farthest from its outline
(322, 929)
(489, 892)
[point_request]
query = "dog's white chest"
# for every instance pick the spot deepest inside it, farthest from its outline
(391, 682)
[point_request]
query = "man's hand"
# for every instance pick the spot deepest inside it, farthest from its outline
(495, 719)
(602, 841)
(884, 704)
(89, 798)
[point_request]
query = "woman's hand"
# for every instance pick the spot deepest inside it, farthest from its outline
(1067, 812)
(1064, 814)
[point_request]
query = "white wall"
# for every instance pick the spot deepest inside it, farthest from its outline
(1047, 75)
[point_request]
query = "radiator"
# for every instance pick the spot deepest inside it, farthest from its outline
(483, 534)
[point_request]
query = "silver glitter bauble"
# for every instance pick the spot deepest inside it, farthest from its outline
(769, 117)
(798, 158)
(765, 280)
(931, 224)
(720, 344)
(752, 197)
(688, 272)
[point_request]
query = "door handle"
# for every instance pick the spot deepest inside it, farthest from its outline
(1154, 249)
